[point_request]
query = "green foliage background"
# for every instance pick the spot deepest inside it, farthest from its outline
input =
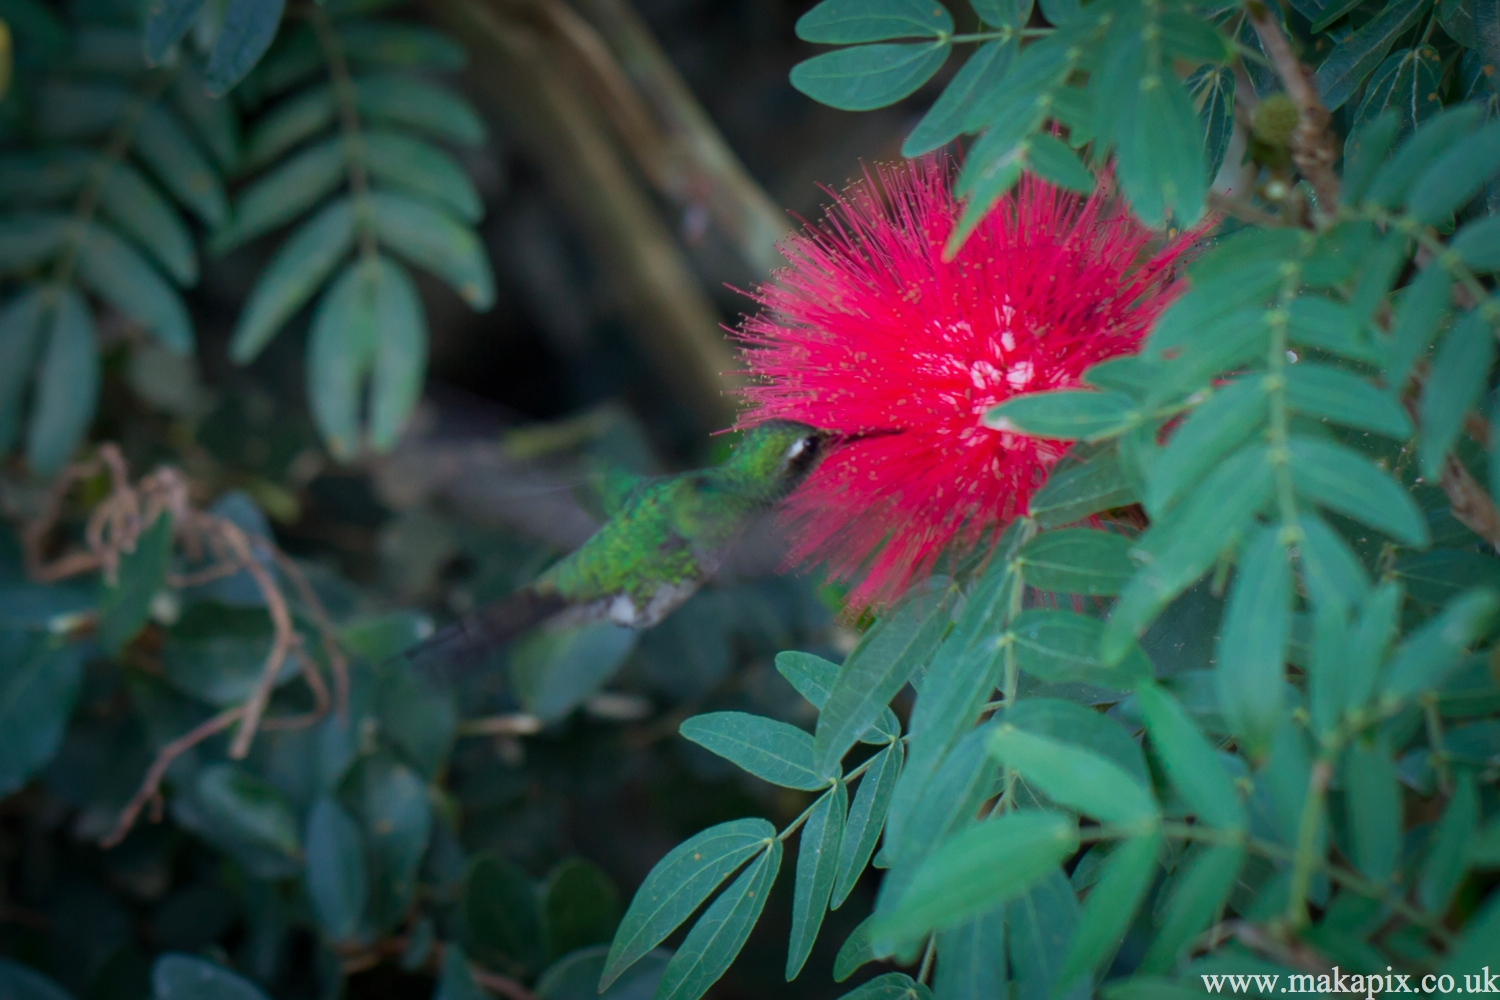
(1259, 735)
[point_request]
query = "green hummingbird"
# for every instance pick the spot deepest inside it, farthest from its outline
(667, 537)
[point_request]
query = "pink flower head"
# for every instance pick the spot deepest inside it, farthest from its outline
(871, 329)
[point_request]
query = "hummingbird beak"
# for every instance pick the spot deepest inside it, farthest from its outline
(840, 439)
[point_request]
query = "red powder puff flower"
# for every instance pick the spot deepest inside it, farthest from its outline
(870, 328)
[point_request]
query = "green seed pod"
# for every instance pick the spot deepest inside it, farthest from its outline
(1275, 120)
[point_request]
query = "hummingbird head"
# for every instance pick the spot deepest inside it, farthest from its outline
(774, 457)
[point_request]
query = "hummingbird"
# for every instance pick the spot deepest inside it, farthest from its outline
(668, 536)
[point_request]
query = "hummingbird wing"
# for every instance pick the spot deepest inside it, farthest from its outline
(476, 633)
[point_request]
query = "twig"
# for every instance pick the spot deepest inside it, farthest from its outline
(1242, 210)
(1312, 145)
(150, 790)
(338, 664)
(514, 724)
(285, 639)
(503, 985)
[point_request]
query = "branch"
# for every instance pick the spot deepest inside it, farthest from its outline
(150, 790)
(1312, 145)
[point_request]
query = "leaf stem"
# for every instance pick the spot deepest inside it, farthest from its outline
(796, 824)
(349, 126)
(1307, 841)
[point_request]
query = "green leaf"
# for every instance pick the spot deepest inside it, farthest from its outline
(1456, 177)
(146, 217)
(340, 352)
(420, 168)
(20, 330)
(891, 986)
(1159, 149)
(283, 194)
(22, 983)
(1065, 415)
(1111, 905)
(679, 883)
(711, 946)
(216, 122)
(1225, 421)
(500, 912)
(1438, 575)
(288, 124)
(456, 981)
(1333, 394)
(1252, 645)
(1392, 182)
(402, 99)
(1190, 761)
(772, 751)
(977, 869)
(1076, 489)
(67, 386)
(1433, 651)
(865, 77)
(1372, 809)
(875, 672)
(966, 96)
(555, 671)
(866, 818)
(1076, 724)
(125, 605)
(1077, 561)
(166, 22)
(1477, 245)
(253, 809)
(28, 239)
(844, 22)
(1199, 896)
(1407, 83)
(248, 28)
(1244, 275)
(115, 272)
(1356, 56)
(814, 677)
(817, 865)
(1477, 945)
(38, 689)
(434, 241)
(1424, 306)
(165, 146)
(1051, 159)
(1212, 91)
(1179, 549)
(183, 977)
(963, 778)
(971, 958)
(390, 802)
(1332, 572)
(1448, 860)
(580, 907)
(293, 275)
(1041, 922)
(576, 977)
(1342, 481)
(1320, 323)
(1366, 151)
(1458, 377)
(855, 951)
(1060, 647)
(400, 45)
(400, 355)
(1075, 777)
(415, 716)
(335, 870)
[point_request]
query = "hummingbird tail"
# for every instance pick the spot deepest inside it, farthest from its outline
(475, 634)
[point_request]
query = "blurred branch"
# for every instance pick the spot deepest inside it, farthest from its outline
(551, 113)
(1313, 148)
(669, 133)
(114, 528)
